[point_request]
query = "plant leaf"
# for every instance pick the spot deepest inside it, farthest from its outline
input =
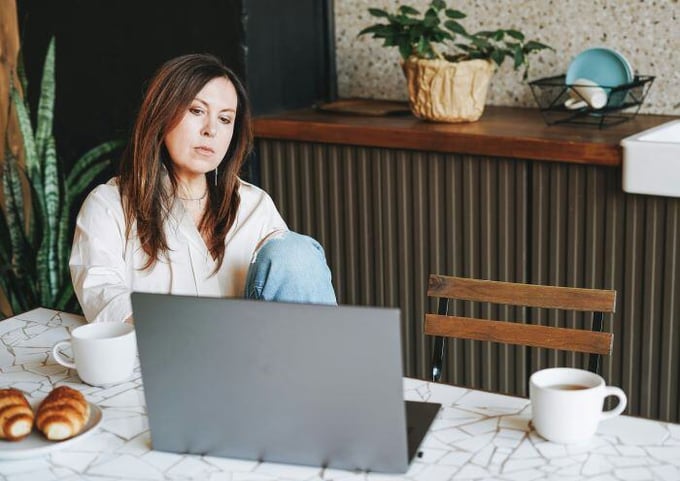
(456, 14)
(405, 50)
(438, 4)
(480, 42)
(377, 12)
(83, 164)
(52, 195)
(43, 130)
(431, 18)
(406, 10)
(497, 56)
(21, 71)
(515, 34)
(26, 129)
(14, 209)
(455, 27)
(76, 186)
(533, 45)
(34, 248)
(519, 57)
(65, 297)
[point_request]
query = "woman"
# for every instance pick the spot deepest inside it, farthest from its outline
(178, 219)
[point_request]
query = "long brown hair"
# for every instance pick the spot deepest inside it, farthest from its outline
(145, 200)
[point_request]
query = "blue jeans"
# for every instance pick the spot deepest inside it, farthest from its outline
(290, 267)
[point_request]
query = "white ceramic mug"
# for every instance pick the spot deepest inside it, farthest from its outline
(586, 93)
(103, 353)
(566, 404)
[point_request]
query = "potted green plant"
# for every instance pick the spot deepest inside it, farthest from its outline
(444, 86)
(36, 215)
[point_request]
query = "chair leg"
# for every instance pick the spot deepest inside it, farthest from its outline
(594, 359)
(594, 363)
(438, 358)
(439, 343)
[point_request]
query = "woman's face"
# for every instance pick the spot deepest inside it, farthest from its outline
(199, 142)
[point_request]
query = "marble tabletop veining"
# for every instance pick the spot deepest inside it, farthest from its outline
(476, 435)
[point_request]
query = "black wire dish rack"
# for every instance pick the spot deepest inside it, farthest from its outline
(623, 101)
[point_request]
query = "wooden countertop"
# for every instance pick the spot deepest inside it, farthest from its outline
(501, 132)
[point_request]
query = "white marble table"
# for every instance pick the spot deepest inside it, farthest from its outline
(476, 436)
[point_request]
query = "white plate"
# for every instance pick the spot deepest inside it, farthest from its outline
(35, 444)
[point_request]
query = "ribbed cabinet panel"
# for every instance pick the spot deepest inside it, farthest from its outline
(388, 218)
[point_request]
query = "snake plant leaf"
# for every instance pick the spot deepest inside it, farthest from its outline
(64, 238)
(64, 300)
(52, 199)
(35, 268)
(26, 129)
(92, 156)
(72, 192)
(21, 72)
(5, 243)
(80, 184)
(46, 106)
(14, 209)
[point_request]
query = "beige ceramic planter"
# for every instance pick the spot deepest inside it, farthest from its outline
(447, 91)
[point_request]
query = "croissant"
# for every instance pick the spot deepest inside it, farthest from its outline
(16, 415)
(62, 414)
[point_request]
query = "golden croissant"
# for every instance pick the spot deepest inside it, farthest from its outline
(62, 414)
(16, 415)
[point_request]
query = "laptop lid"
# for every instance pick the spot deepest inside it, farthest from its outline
(292, 383)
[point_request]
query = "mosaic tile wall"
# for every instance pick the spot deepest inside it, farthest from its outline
(647, 32)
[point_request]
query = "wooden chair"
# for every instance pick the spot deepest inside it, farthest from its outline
(447, 288)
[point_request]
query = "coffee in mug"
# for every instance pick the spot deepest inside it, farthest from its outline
(103, 353)
(567, 404)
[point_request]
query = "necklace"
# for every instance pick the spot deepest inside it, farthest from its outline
(197, 199)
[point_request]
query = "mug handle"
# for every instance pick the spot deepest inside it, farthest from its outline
(59, 357)
(623, 401)
(573, 104)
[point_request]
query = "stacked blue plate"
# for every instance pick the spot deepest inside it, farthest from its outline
(604, 66)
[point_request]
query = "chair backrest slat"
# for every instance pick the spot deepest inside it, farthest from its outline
(516, 333)
(448, 288)
(497, 292)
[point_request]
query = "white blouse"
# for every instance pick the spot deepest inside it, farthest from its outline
(106, 267)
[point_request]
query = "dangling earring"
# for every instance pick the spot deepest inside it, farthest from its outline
(215, 176)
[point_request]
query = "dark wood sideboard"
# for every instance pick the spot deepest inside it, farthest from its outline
(393, 199)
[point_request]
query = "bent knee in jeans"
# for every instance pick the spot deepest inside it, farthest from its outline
(290, 267)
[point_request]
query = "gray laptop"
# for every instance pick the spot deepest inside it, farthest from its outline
(291, 383)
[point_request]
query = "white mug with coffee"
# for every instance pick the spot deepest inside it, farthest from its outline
(586, 93)
(103, 353)
(567, 404)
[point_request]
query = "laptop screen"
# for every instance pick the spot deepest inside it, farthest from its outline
(307, 384)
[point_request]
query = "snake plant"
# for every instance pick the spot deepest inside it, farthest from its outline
(36, 218)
